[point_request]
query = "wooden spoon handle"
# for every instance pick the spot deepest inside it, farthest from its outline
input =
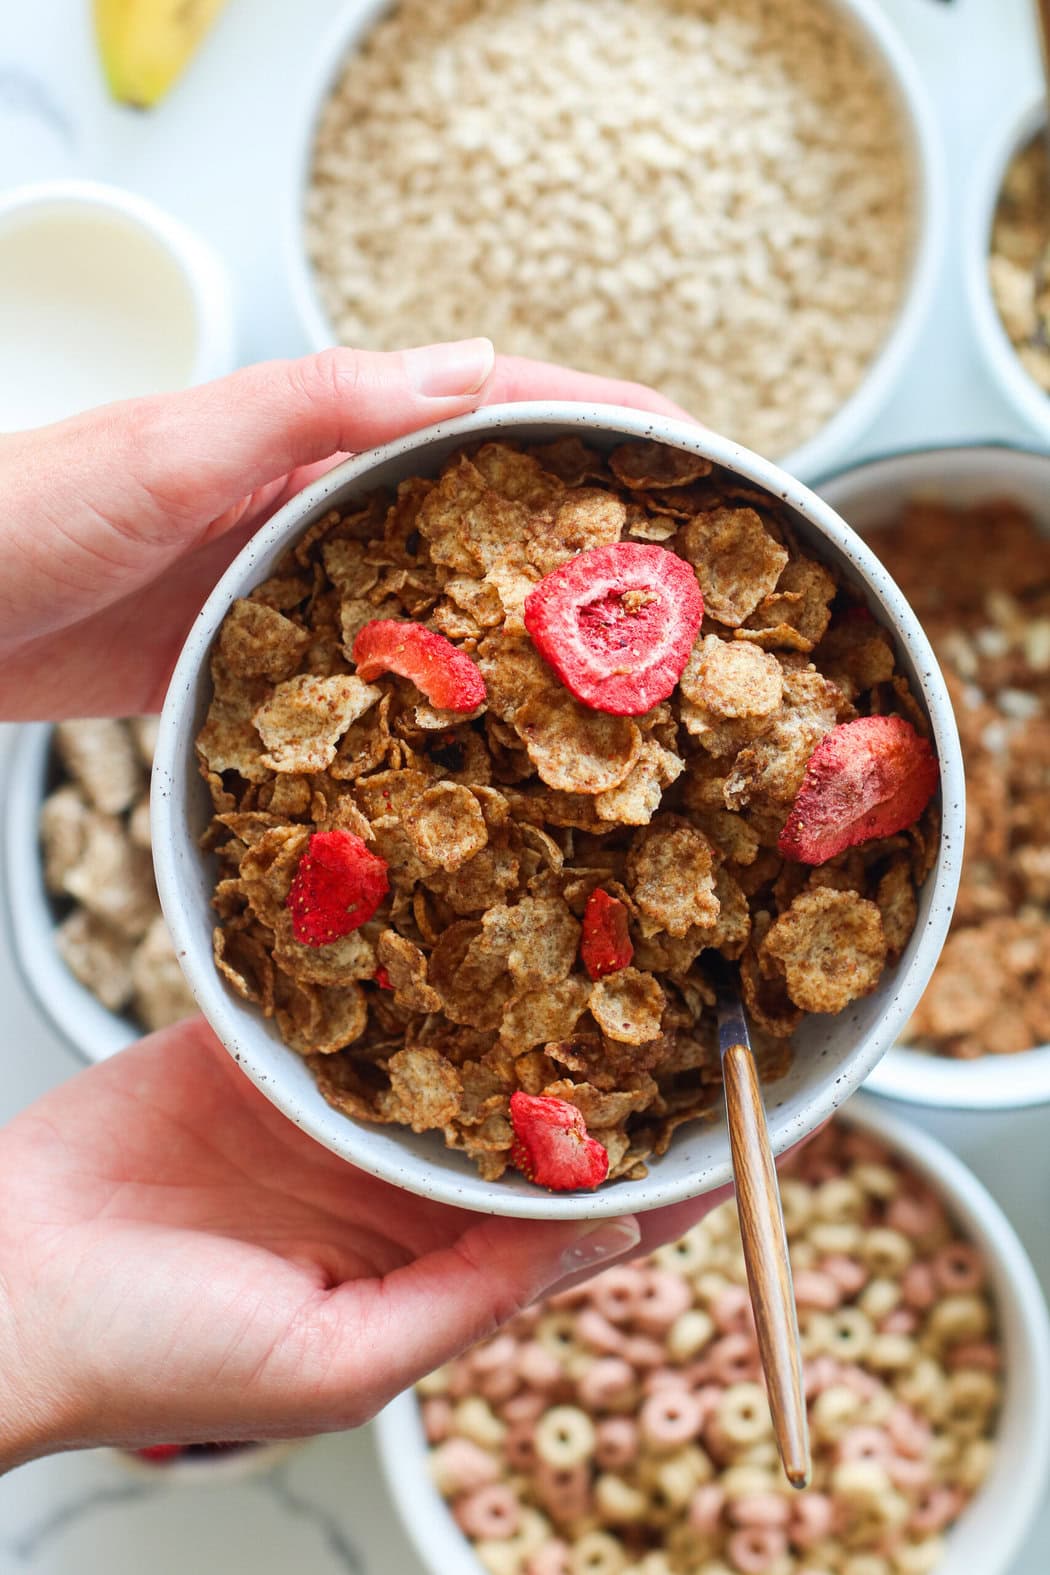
(766, 1256)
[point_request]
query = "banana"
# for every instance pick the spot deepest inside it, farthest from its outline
(146, 44)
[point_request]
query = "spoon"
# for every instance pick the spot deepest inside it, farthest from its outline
(763, 1236)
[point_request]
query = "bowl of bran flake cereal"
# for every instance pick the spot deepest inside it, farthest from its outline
(622, 1427)
(484, 747)
(740, 205)
(966, 533)
(87, 930)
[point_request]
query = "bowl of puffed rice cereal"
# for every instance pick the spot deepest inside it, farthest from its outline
(966, 534)
(622, 1428)
(485, 738)
(85, 919)
(740, 205)
(1007, 233)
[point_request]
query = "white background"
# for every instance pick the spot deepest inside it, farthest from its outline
(216, 155)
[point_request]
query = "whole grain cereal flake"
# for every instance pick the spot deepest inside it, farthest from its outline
(305, 717)
(671, 874)
(737, 561)
(830, 948)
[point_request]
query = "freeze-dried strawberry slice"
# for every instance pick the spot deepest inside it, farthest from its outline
(444, 673)
(382, 978)
(338, 885)
(865, 779)
(617, 624)
(606, 945)
(551, 1146)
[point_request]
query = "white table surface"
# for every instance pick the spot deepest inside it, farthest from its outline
(215, 154)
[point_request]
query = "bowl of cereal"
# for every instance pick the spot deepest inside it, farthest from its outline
(972, 552)
(85, 920)
(757, 234)
(1008, 231)
(622, 1427)
(482, 741)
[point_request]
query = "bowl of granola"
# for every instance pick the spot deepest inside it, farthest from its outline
(480, 744)
(966, 533)
(85, 920)
(622, 1427)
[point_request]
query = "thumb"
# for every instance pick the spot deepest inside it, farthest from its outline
(432, 1309)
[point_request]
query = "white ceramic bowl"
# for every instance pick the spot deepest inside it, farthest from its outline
(833, 1054)
(138, 300)
(870, 496)
(1015, 130)
(868, 19)
(990, 1532)
(32, 914)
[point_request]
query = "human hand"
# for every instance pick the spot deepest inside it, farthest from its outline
(179, 1262)
(115, 525)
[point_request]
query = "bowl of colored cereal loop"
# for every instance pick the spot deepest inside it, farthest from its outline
(622, 1427)
(966, 533)
(481, 744)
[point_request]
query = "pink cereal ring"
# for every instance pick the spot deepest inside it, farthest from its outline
(820, 1291)
(911, 1476)
(902, 1320)
(755, 1548)
(499, 1386)
(865, 1443)
(734, 1359)
(465, 1465)
(976, 1353)
(595, 1330)
(616, 1442)
(437, 1418)
(862, 1383)
(519, 1446)
(760, 1509)
(670, 1417)
(907, 1432)
(536, 1366)
(616, 1294)
(524, 1408)
(819, 1374)
(958, 1268)
(495, 1355)
(919, 1286)
(914, 1214)
(642, 1351)
(731, 1310)
(664, 1378)
(705, 1508)
(812, 1517)
(551, 1559)
(936, 1509)
(849, 1275)
(662, 1298)
(606, 1381)
(488, 1512)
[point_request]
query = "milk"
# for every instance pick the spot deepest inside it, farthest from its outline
(92, 308)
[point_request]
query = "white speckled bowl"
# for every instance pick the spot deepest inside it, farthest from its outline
(833, 1055)
(881, 39)
(870, 496)
(991, 1530)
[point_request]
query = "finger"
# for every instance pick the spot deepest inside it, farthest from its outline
(516, 379)
(424, 1314)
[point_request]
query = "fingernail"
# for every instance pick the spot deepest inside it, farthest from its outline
(600, 1241)
(442, 371)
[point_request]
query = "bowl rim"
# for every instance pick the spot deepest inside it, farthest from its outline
(174, 751)
(205, 277)
(885, 43)
(83, 1024)
(444, 1550)
(1010, 133)
(905, 1073)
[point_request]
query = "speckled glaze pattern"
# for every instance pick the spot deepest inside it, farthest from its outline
(833, 1055)
(993, 1527)
(869, 496)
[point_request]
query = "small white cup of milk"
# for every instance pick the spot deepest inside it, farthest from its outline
(102, 296)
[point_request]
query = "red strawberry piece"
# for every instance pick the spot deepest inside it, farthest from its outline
(865, 779)
(551, 1146)
(617, 624)
(338, 885)
(606, 945)
(382, 978)
(444, 673)
(157, 1454)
